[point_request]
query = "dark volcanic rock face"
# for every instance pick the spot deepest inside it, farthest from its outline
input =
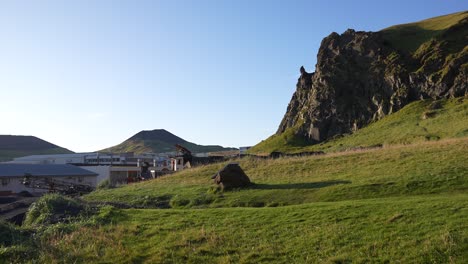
(360, 78)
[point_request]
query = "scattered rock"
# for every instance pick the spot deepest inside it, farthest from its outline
(435, 105)
(231, 176)
(428, 114)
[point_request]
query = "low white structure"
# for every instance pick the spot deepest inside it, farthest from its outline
(52, 159)
(243, 150)
(115, 174)
(12, 176)
(91, 158)
(117, 168)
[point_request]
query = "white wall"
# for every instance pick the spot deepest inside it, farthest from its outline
(103, 172)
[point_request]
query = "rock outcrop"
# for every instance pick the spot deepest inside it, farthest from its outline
(361, 77)
(231, 176)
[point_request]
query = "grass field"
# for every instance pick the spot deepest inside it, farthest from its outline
(432, 167)
(422, 229)
(397, 204)
(409, 37)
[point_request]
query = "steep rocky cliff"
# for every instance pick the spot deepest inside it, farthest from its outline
(362, 76)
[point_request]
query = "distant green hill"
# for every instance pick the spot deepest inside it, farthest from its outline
(18, 146)
(417, 122)
(159, 141)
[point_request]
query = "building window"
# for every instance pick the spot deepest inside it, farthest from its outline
(80, 179)
(5, 182)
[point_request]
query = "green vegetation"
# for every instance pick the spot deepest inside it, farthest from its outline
(433, 52)
(6, 154)
(159, 141)
(409, 37)
(416, 122)
(433, 167)
(407, 230)
(52, 208)
(158, 146)
(405, 203)
(285, 142)
(12, 146)
(50, 216)
(393, 192)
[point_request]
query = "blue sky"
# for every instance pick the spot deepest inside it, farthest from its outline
(89, 74)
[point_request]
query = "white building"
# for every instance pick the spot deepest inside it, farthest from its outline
(118, 168)
(243, 150)
(75, 158)
(12, 177)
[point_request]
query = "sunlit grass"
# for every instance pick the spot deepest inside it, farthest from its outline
(424, 229)
(407, 126)
(429, 167)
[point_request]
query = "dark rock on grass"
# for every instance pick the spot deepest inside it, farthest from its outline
(231, 176)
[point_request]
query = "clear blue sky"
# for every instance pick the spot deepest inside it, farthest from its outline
(89, 74)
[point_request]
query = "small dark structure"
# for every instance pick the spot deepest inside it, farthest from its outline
(231, 176)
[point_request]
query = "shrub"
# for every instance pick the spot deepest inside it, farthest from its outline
(9, 234)
(52, 208)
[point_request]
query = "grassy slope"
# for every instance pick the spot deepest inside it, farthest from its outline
(392, 230)
(408, 37)
(433, 167)
(158, 146)
(406, 204)
(6, 155)
(403, 127)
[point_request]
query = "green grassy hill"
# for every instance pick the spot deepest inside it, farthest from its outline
(406, 204)
(419, 121)
(434, 167)
(18, 146)
(159, 141)
(391, 230)
(409, 37)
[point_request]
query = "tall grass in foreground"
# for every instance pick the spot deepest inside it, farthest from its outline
(404, 230)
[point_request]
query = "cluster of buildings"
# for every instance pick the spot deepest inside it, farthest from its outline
(78, 172)
(43, 173)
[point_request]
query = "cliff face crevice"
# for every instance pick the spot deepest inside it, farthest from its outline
(361, 77)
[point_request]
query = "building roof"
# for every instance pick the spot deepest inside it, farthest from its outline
(63, 170)
(47, 156)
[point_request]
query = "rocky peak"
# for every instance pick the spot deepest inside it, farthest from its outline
(360, 77)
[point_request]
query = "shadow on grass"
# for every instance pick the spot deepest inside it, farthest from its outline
(304, 185)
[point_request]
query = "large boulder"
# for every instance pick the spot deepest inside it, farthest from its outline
(231, 176)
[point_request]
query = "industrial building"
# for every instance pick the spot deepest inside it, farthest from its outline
(117, 168)
(40, 178)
